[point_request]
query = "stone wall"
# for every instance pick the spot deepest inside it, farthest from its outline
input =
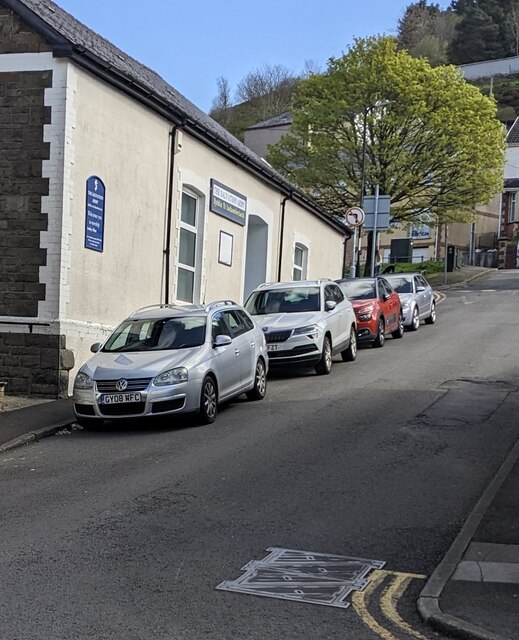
(22, 150)
(17, 37)
(35, 364)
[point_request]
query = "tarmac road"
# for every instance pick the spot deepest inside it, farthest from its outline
(125, 533)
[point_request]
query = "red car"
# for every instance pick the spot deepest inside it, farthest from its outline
(377, 307)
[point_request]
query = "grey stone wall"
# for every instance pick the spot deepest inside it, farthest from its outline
(17, 37)
(22, 150)
(35, 364)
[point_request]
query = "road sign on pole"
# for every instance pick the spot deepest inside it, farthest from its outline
(355, 216)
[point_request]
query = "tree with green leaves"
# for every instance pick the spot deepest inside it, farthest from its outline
(380, 117)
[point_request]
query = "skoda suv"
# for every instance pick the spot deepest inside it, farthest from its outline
(305, 323)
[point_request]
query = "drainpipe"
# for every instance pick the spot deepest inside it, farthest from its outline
(282, 233)
(169, 212)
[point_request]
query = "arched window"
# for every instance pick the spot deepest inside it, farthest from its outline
(299, 267)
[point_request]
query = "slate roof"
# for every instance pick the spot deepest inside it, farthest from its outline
(276, 121)
(512, 137)
(72, 39)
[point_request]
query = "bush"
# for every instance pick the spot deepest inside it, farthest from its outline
(428, 267)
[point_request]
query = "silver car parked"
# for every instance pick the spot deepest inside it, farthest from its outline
(417, 298)
(168, 359)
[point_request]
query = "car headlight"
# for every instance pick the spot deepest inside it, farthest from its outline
(83, 381)
(173, 376)
(311, 331)
(405, 307)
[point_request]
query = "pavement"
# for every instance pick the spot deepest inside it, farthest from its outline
(474, 591)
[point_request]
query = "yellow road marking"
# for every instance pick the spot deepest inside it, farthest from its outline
(389, 599)
(359, 604)
(361, 599)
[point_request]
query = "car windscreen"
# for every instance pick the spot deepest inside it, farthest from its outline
(359, 289)
(157, 334)
(401, 285)
(293, 300)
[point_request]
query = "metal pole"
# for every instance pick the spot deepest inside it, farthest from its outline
(446, 245)
(375, 227)
(353, 267)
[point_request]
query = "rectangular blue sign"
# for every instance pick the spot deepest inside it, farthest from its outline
(95, 214)
(228, 203)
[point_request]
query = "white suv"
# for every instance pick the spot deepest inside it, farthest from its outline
(305, 323)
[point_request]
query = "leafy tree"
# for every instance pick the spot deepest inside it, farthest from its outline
(426, 31)
(222, 102)
(262, 94)
(432, 141)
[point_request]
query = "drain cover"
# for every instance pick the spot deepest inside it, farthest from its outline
(304, 576)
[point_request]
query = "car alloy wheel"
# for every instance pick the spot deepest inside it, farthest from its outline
(379, 341)
(432, 318)
(415, 322)
(260, 382)
(324, 366)
(350, 354)
(208, 401)
(399, 331)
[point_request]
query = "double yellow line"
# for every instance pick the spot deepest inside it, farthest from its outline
(388, 603)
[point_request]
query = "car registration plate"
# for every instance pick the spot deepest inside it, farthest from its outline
(272, 347)
(116, 398)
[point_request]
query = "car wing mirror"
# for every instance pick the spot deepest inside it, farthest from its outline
(330, 305)
(222, 341)
(420, 289)
(95, 347)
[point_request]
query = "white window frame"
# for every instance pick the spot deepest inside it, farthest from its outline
(300, 269)
(513, 209)
(195, 270)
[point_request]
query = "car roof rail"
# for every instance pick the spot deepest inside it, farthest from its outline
(323, 280)
(157, 306)
(220, 303)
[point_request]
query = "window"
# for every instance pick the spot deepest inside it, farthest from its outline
(300, 262)
(513, 213)
(236, 323)
(333, 293)
(188, 253)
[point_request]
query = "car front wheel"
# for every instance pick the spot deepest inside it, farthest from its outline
(350, 354)
(379, 341)
(208, 401)
(260, 382)
(432, 318)
(415, 321)
(399, 331)
(324, 366)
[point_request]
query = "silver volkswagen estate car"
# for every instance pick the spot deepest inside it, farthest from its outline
(169, 359)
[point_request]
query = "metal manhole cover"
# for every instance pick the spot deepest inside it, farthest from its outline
(304, 576)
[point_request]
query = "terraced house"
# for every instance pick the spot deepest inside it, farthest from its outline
(117, 192)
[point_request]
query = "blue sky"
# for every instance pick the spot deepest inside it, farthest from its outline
(191, 44)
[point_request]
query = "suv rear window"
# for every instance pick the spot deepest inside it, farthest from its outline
(284, 301)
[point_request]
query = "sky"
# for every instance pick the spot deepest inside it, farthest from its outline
(192, 43)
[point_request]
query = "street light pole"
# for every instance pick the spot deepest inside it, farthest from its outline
(357, 238)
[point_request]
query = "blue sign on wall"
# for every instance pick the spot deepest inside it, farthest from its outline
(95, 214)
(228, 203)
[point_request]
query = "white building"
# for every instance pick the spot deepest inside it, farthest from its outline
(117, 192)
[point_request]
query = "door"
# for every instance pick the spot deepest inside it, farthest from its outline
(226, 361)
(242, 334)
(337, 319)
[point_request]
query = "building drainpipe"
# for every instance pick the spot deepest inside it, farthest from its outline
(169, 211)
(282, 233)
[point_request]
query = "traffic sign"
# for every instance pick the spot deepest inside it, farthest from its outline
(355, 216)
